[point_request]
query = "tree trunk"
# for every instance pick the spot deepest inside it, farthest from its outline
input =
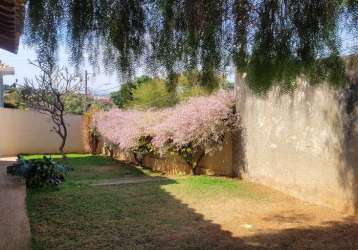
(63, 137)
(139, 159)
(62, 148)
(111, 152)
(94, 144)
(196, 166)
(195, 170)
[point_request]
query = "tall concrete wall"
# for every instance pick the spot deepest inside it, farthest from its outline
(29, 132)
(304, 143)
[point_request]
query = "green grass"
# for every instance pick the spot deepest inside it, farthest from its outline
(213, 187)
(149, 215)
(89, 168)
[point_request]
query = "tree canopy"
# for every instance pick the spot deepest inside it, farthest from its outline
(273, 41)
(150, 92)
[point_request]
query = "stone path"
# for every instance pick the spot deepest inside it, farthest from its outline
(129, 180)
(14, 223)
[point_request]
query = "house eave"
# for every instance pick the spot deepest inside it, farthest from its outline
(11, 24)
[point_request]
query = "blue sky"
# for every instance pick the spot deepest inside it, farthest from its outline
(100, 84)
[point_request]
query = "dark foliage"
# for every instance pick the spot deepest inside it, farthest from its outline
(274, 41)
(39, 172)
(122, 97)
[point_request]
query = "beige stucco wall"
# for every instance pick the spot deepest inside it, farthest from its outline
(29, 132)
(304, 143)
(171, 164)
(218, 162)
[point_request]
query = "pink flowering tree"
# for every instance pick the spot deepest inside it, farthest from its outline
(191, 129)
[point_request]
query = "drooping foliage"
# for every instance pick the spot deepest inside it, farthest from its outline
(190, 129)
(274, 41)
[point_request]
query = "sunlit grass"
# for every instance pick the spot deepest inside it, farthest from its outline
(89, 168)
(149, 215)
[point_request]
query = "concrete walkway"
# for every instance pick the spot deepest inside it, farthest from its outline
(14, 223)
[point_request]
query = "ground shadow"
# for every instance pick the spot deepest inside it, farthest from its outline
(131, 216)
(291, 217)
(333, 235)
(148, 216)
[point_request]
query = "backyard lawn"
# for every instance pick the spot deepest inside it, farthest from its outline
(193, 212)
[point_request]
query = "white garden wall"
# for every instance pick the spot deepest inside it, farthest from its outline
(29, 132)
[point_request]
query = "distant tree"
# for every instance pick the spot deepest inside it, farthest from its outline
(74, 103)
(153, 94)
(11, 87)
(46, 94)
(190, 84)
(12, 98)
(146, 92)
(103, 104)
(124, 95)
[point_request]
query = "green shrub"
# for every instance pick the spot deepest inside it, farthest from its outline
(153, 94)
(124, 95)
(39, 172)
(187, 91)
(75, 104)
(146, 92)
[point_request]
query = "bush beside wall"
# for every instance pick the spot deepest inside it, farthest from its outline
(193, 129)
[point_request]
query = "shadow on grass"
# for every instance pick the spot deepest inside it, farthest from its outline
(332, 235)
(146, 216)
(132, 216)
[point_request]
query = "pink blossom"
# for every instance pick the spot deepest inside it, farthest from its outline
(201, 121)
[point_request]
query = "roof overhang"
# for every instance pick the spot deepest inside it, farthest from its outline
(11, 24)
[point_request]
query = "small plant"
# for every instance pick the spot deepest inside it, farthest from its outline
(39, 172)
